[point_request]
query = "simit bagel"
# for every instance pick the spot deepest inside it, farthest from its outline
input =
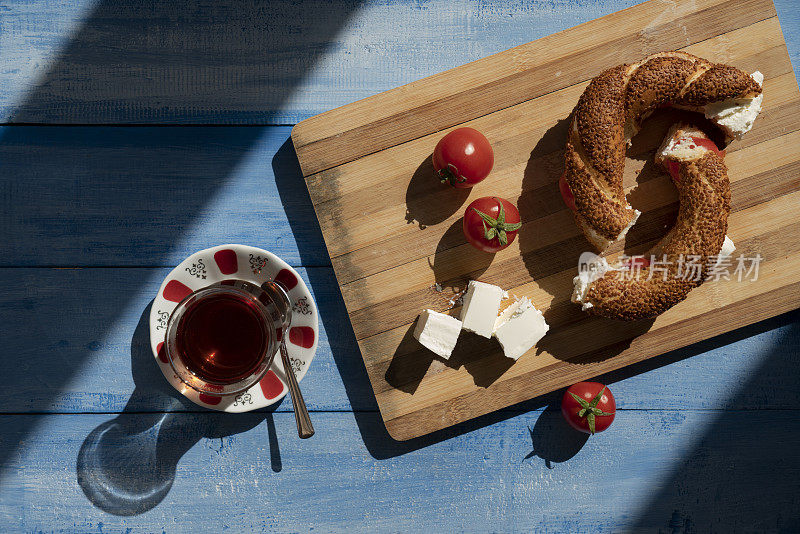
(610, 112)
(700, 175)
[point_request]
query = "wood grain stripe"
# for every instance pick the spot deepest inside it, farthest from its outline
(399, 370)
(398, 294)
(396, 162)
(544, 217)
(482, 401)
(366, 170)
(394, 356)
(750, 305)
(425, 210)
(515, 76)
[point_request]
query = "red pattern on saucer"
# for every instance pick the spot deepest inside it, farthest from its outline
(271, 385)
(176, 291)
(226, 261)
(302, 336)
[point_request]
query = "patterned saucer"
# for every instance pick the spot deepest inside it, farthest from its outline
(254, 265)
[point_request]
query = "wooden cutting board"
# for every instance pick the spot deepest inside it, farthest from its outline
(394, 233)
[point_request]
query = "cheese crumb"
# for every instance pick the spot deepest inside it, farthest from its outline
(727, 249)
(518, 328)
(591, 267)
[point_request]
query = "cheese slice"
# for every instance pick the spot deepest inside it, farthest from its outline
(736, 116)
(438, 332)
(519, 328)
(480, 307)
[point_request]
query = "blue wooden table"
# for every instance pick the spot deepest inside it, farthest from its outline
(137, 132)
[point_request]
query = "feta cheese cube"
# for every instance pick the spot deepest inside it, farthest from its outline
(437, 332)
(481, 304)
(519, 328)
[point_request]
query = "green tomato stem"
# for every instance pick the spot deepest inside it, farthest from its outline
(589, 409)
(497, 227)
(450, 175)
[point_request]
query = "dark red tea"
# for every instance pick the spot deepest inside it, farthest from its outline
(222, 338)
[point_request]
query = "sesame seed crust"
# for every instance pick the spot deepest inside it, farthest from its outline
(591, 199)
(608, 114)
(599, 122)
(610, 111)
(720, 82)
(657, 82)
(698, 234)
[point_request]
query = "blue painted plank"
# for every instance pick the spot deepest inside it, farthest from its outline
(211, 61)
(79, 342)
(652, 471)
(147, 196)
(247, 62)
(85, 196)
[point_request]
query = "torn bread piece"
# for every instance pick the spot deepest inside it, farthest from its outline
(438, 332)
(519, 328)
(736, 116)
(588, 272)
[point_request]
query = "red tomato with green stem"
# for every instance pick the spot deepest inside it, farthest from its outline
(588, 407)
(491, 223)
(463, 157)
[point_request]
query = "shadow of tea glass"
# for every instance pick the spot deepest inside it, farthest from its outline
(221, 339)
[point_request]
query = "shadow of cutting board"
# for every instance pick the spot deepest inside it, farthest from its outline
(394, 233)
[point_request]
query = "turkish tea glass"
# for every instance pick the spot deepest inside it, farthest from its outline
(222, 339)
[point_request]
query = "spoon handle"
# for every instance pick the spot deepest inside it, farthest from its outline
(304, 427)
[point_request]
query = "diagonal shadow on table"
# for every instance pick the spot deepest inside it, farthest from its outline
(127, 465)
(117, 196)
(346, 354)
(739, 473)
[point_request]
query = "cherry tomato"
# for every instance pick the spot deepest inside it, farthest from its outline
(566, 192)
(463, 158)
(491, 223)
(588, 407)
